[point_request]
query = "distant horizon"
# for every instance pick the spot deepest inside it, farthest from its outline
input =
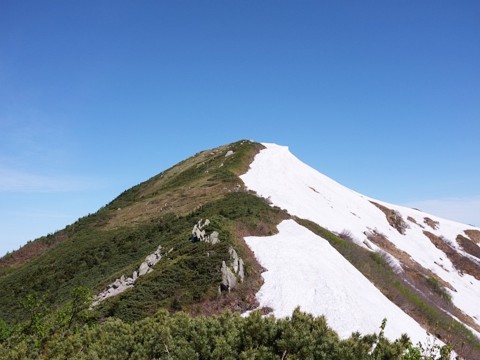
(384, 98)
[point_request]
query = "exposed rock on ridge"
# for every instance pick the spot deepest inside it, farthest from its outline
(124, 283)
(233, 272)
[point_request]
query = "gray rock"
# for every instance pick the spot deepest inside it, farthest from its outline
(198, 234)
(229, 153)
(151, 260)
(124, 283)
(213, 238)
(142, 270)
(229, 280)
(234, 257)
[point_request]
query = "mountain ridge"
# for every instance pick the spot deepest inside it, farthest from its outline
(222, 185)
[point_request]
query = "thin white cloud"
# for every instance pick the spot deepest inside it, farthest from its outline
(19, 181)
(465, 210)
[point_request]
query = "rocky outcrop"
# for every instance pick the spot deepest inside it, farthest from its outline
(237, 264)
(198, 233)
(229, 280)
(233, 272)
(124, 283)
(212, 238)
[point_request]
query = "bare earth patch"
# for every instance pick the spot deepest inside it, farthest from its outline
(31, 250)
(419, 277)
(433, 224)
(394, 218)
(412, 269)
(461, 263)
(474, 235)
(412, 220)
(469, 246)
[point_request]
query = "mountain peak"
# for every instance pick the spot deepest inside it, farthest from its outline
(300, 238)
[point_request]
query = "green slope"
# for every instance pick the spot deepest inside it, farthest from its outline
(100, 247)
(114, 241)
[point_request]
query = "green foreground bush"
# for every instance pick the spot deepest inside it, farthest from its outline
(180, 336)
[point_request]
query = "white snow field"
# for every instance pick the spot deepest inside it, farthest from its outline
(290, 184)
(304, 270)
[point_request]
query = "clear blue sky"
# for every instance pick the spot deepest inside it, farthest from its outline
(97, 96)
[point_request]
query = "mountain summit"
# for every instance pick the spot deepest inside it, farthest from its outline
(248, 226)
(303, 270)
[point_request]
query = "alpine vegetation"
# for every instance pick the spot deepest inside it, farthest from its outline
(244, 252)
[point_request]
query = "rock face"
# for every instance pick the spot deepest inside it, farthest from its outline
(229, 280)
(198, 233)
(237, 264)
(122, 284)
(229, 153)
(233, 272)
(212, 238)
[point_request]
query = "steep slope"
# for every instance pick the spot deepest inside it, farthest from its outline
(425, 250)
(322, 246)
(304, 270)
(100, 248)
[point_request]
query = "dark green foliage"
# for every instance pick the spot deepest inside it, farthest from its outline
(228, 336)
(90, 258)
(94, 258)
(191, 271)
(5, 330)
(92, 252)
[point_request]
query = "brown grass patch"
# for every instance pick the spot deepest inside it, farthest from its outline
(433, 224)
(461, 263)
(474, 235)
(156, 197)
(419, 276)
(413, 270)
(179, 201)
(412, 220)
(32, 250)
(393, 217)
(409, 218)
(469, 246)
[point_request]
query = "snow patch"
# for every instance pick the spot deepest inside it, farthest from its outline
(288, 183)
(304, 270)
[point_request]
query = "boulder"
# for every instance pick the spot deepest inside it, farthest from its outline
(229, 280)
(142, 270)
(234, 257)
(213, 238)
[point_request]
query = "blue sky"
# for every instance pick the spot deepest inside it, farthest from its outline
(97, 96)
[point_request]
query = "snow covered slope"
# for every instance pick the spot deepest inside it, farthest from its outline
(409, 235)
(323, 282)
